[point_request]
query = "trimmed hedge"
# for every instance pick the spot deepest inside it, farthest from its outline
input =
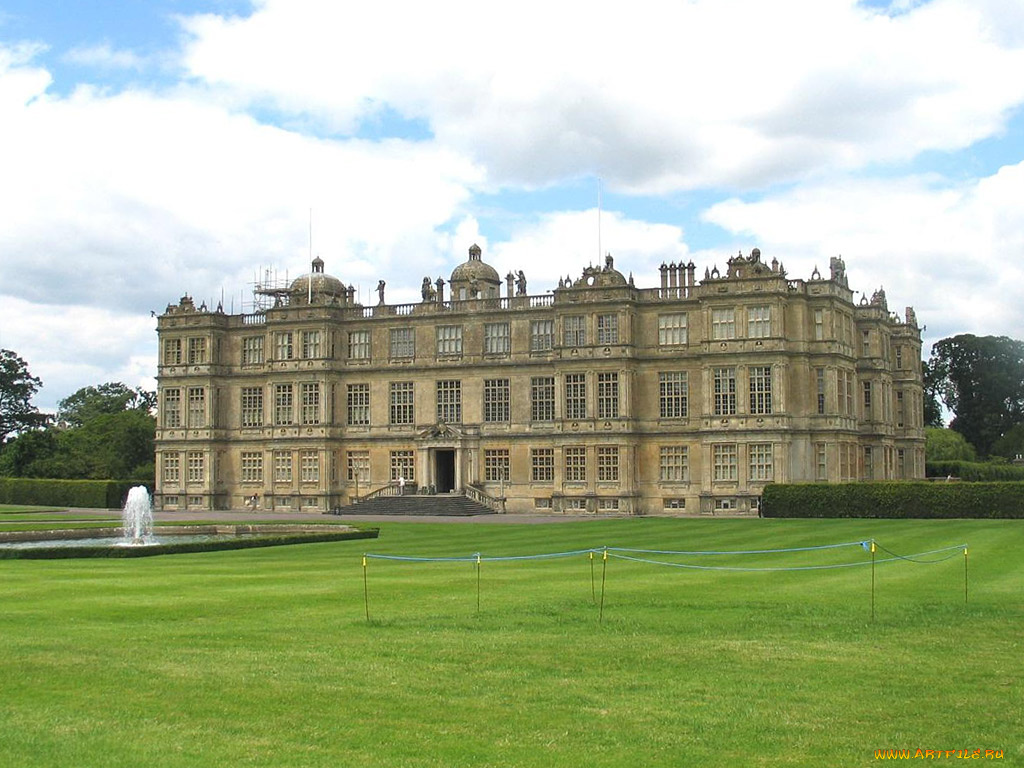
(895, 500)
(974, 471)
(60, 553)
(97, 494)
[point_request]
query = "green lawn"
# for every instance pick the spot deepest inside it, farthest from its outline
(265, 657)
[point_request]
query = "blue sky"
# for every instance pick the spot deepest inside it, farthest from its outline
(162, 147)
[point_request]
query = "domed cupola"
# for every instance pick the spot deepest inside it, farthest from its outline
(474, 279)
(317, 287)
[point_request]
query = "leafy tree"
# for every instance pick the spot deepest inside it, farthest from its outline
(27, 454)
(114, 397)
(947, 445)
(1011, 444)
(17, 386)
(981, 380)
(932, 407)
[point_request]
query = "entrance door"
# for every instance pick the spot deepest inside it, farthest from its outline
(444, 470)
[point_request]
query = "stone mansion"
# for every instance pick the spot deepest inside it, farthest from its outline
(598, 396)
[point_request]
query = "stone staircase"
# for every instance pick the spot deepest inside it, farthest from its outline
(417, 504)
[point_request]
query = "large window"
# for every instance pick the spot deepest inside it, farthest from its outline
(496, 400)
(283, 404)
(867, 400)
(196, 407)
(172, 351)
(402, 403)
(172, 468)
(403, 466)
(172, 408)
(672, 330)
(359, 345)
(724, 462)
(283, 346)
(607, 329)
(197, 351)
(674, 464)
(358, 466)
(449, 340)
(542, 398)
(759, 322)
(309, 467)
(724, 380)
(252, 467)
(542, 465)
(673, 390)
(196, 463)
(449, 401)
(819, 376)
(496, 465)
(252, 350)
(608, 463)
(403, 343)
(607, 395)
(723, 324)
(575, 464)
(252, 406)
(282, 466)
(497, 339)
(311, 403)
(899, 409)
(310, 344)
(574, 331)
(575, 396)
(760, 455)
(358, 405)
(760, 389)
(542, 335)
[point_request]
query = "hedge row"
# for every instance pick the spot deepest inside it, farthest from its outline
(58, 553)
(974, 471)
(895, 500)
(98, 494)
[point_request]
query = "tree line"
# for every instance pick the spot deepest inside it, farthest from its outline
(106, 432)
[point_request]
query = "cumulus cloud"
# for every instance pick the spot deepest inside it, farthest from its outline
(666, 96)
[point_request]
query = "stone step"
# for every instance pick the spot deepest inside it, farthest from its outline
(416, 504)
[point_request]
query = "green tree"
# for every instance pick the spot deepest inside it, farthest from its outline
(90, 402)
(1011, 444)
(17, 386)
(947, 445)
(981, 380)
(932, 406)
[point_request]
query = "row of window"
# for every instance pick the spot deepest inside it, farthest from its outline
(672, 331)
(673, 400)
(186, 407)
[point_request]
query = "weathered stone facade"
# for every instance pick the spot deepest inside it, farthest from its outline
(597, 396)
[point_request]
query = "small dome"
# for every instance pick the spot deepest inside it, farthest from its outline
(476, 269)
(474, 279)
(324, 286)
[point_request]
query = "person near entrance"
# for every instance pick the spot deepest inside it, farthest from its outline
(401, 486)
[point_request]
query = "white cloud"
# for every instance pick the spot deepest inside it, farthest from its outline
(70, 347)
(666, 96)
(561, 244)
(105, 57)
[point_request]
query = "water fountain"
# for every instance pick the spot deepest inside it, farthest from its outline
(137, 517)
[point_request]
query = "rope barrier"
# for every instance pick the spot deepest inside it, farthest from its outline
(630, 554)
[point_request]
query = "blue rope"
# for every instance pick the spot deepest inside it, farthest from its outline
(617, 553)
(863, 544)
(476, 557)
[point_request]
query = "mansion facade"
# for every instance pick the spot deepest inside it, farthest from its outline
(598, 396)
